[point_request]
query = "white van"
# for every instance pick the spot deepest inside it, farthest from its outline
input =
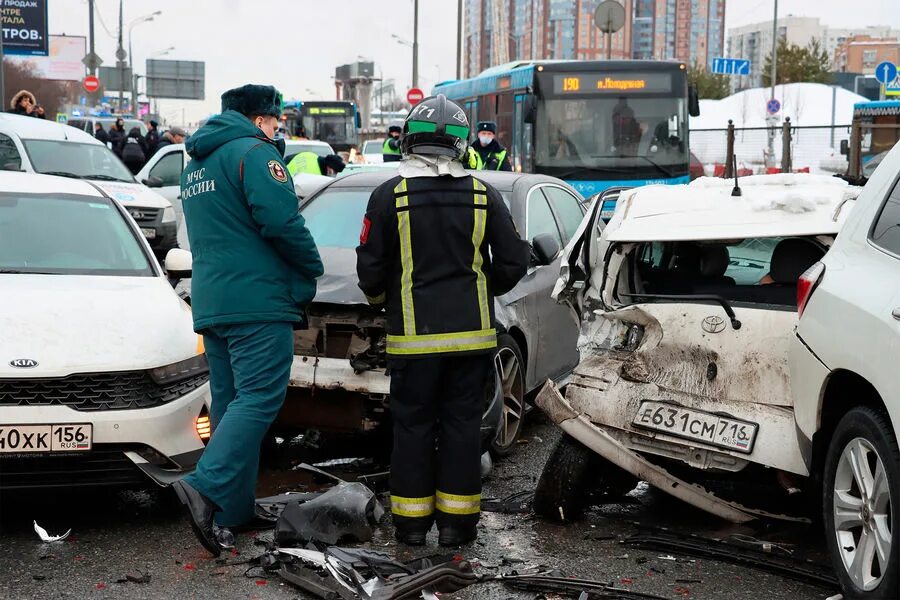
(38, 146)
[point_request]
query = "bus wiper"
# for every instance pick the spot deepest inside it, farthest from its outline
(578, 170)
(735, 323)
(667, 172)
(62, 174)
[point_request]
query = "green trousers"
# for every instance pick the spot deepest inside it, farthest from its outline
(249, 368)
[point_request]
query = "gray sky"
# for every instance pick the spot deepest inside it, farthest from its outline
(296, 44)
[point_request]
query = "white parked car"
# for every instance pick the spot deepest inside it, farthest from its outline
(40, 146)
(844, 368)
(102, 378)
(372, 151)
(294, 147)
(687, 303)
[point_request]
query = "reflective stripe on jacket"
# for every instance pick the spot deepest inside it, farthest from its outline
(305, 162)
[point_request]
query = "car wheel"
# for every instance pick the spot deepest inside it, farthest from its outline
(511, 368)
(861, 503)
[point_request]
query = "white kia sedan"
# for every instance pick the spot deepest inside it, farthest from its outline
(102, 378)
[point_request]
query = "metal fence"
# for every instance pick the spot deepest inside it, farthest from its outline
(782, 148)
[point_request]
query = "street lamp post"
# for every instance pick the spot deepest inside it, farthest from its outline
(415, 49)
(131, 26)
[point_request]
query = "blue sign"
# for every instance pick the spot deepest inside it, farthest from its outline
(773, 106)
(886, 73)
(731, 66)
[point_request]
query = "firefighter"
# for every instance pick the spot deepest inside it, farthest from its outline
(494, 157)
(436, 246)
(390, 150)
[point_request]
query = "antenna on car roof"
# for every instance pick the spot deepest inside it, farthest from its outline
(736, 191)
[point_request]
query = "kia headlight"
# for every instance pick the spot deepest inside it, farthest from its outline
(168, 215)
(179, 371)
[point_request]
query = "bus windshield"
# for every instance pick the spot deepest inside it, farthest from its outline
(612, 132)
(334, 129)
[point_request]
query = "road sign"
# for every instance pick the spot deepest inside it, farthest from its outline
(178, 79)
(414, 96)
(92, 61)
(731, 66)
(62, 118)
(773, 106)
(90, 84)
(886, 72)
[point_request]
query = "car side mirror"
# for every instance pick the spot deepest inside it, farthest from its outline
(693, 101)
(545, 247)
(153, 181)
(179, 264)
(845, 147)
(529, 108)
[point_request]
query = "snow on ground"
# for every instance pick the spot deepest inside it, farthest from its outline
(806, 104)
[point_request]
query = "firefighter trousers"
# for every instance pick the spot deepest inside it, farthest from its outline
(437, 405)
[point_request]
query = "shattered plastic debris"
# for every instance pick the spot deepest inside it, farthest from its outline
(348, 511)
(46, 537)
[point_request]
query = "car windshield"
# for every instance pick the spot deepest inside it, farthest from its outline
(67, 234)
(332, 216)
(74, 159)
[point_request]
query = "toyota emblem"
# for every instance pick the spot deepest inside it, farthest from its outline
(713, 324)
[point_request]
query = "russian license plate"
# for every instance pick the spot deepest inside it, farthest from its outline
(715, 430)
(45, 438)
(150, 234)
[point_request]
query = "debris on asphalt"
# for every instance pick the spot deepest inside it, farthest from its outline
(348, 511)
(46, 537)
(551, 584)
(700, 547)
(345, 462)
(137, 577)
(517, 503)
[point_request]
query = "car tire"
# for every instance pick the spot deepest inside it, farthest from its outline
(511, 368)
(864, 546)
(570, 474)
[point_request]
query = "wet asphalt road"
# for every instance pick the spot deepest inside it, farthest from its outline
(141, 533)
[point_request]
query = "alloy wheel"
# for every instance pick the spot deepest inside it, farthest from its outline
(512, 382)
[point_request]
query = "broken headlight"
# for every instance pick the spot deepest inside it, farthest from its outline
(181, 370)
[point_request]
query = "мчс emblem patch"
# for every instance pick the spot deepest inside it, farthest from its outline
(277, 171)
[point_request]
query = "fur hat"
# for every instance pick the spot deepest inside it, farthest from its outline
(487, 126)
(19, 95)
(252, 99)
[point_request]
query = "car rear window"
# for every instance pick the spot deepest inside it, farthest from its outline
(753, 270)
(64, 234)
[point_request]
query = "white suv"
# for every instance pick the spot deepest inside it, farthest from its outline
(845, 374)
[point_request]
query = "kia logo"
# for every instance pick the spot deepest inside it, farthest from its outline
(23, 363)
(713, 324)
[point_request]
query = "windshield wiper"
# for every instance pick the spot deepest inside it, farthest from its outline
(19, 272)
(667, 172)
(578, 170)
(735, 323)
(103, 177)
(62, 174)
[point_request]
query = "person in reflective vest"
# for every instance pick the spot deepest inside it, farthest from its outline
(313, 164)
(390, 150)
(437, 245)
(494, 157)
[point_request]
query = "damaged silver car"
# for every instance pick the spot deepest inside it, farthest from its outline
(339, 382)
(687, 302)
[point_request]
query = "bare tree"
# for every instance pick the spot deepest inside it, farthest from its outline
(21, 76)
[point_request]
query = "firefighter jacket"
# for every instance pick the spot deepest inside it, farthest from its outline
(435, 251)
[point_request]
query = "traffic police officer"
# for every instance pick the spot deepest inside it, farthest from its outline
(493, 156)
(390, 150)
(254, 271)
(436, 246)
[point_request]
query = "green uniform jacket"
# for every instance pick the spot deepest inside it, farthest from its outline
(305, 162)
(254, 259)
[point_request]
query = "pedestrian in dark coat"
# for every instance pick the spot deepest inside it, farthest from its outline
(23, 103)
(116, 135)
(100, 133)
(133, 150)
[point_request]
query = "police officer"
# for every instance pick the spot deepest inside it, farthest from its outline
(390, 150)
(493, 155)
(313, 164)
(436, 246)
(255, 269)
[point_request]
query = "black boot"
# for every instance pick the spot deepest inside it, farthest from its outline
(456, 536)
(199, 510)
(410, 538)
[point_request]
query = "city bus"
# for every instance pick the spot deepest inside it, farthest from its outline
(594, 124)
(334, 122)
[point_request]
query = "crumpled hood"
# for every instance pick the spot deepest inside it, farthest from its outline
(339, 284)
(219, 130)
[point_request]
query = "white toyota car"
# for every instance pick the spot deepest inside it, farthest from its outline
(102, 378)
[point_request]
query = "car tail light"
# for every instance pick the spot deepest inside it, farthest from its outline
(807, 284)
(203, 425)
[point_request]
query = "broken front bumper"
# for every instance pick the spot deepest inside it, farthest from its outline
(600, 441)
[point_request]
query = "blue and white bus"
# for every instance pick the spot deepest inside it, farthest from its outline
(594, 124)
(334, 122)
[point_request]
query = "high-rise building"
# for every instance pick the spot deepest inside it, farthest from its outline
(862, 53)
(687, 30)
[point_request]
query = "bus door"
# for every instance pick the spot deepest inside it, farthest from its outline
(522, 149)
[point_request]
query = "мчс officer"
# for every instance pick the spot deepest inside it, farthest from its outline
(436, 246)
(254, 271)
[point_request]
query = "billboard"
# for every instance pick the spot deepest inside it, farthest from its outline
(24, 27)
(111, 79)
(63, 62)
(181, 79)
